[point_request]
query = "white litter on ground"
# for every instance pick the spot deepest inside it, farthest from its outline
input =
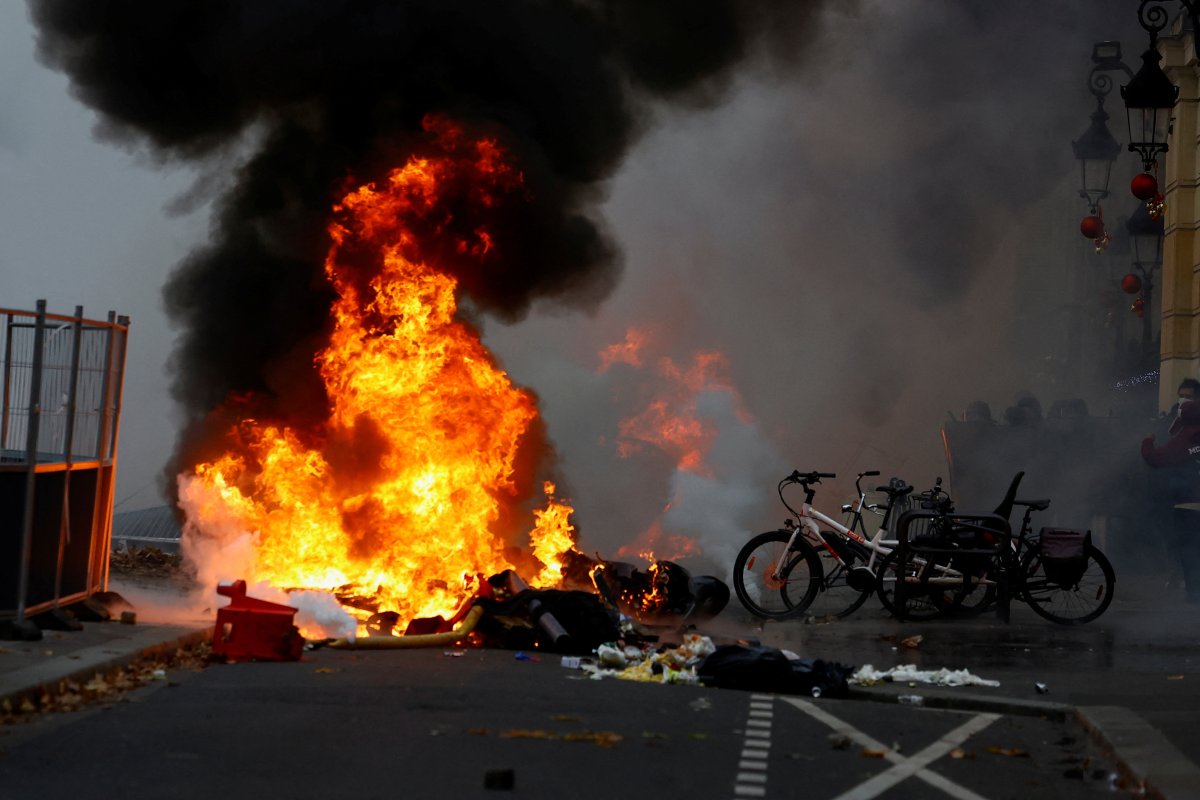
(867, 675)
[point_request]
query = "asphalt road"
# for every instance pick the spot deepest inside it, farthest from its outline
(424, 724)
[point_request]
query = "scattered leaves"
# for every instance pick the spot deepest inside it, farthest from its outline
(872, 753)
(107, 687)
(605, 739)
(1014, 752)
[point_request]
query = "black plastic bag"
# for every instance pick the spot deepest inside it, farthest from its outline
(767, 669)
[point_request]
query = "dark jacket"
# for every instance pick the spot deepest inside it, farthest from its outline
(1178, 459)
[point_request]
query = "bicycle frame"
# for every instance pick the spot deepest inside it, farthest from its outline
(807, 518)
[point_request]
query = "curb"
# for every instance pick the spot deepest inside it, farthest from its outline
(1145, 758)
(1058, 712)
(34, 682)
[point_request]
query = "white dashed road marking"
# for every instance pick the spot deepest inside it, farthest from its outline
(751, 778)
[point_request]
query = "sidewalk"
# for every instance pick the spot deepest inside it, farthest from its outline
(1131, 678)
(27, 669)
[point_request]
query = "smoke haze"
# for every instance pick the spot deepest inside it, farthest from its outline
(870, 212)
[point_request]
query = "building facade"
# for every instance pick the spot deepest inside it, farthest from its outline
(1179, 280)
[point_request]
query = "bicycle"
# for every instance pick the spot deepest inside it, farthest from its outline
(1070, 591)
(781, 574)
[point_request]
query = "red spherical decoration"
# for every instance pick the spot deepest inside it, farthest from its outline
(1144, 186)
(1092, 227)
(1138, 307)
(1131, 284)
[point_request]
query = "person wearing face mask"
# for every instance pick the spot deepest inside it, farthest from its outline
(1189, 389)
(1176, 482)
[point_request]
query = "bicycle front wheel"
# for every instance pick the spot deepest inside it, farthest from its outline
(1086, 599)
(772, 581)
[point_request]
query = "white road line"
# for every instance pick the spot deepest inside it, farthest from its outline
(902, 766)
(752, 777)
(751, 780)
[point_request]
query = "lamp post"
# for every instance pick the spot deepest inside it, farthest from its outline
(1097, 148)
(1149, 99)
(1146, 235)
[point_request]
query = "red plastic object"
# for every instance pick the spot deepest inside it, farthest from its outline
(249, 629)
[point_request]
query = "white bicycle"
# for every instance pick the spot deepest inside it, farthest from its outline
(816, 564)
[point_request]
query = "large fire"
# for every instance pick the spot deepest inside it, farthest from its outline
(434, 425)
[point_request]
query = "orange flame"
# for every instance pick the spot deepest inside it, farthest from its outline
(655, 544)
(671, 422)
(397, 493)
(552, 536)
(626, 352)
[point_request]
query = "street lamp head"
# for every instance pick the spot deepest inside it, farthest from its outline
(1096, 150)
(1149, 98)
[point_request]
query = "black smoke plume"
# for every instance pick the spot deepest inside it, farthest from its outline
(330, 93)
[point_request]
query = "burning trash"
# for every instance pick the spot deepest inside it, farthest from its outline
(420, 476)
(663, 593)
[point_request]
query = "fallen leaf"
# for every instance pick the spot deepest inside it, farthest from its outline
(839, 741)
(958, 752)
(1015, 752)
(869, 753)
(326, 670)
(606, 739)
(1174, 677)
(912, 642)
(526, 733)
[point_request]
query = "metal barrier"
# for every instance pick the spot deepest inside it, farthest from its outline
(60, 403)
(934, 544)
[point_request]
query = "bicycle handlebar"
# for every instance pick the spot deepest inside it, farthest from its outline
(895, 488)
(808, 477)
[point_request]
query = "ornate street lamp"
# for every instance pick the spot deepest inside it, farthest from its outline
(1146, 235)
(1097, 148)
(1149, 99)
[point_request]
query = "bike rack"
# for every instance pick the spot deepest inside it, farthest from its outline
(986, 536)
